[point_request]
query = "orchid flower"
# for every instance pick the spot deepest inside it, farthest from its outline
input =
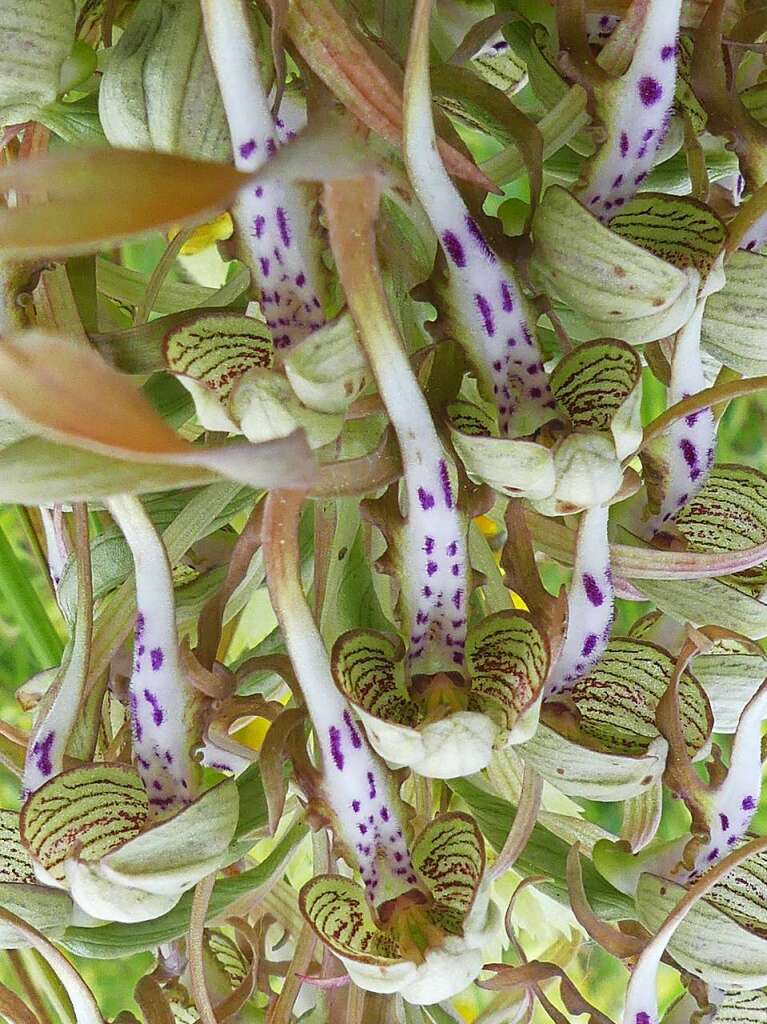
(275, 221)
(127, 844)
(228, 366)
(495, 321)
(435, 598)
(397, 935)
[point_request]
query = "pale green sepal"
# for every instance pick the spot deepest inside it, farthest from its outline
(36, 37)
(588, 473)
(708, 943)
(265, 408)
(678, 229)
(642, 329)
(159, 89)
(519, 469)
(101, 898)
(93, 808)
(175, 854)
(708, 602)
(445, 972)
(734, 327)
(749, 1007)
(328, 370)
(578, 771)
(15, 862)
(460, 744)
(48, 910)
(730, 681)
(595, 271)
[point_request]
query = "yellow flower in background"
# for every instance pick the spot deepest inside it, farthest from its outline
(489, 530)
(205, 235)
(252, 735)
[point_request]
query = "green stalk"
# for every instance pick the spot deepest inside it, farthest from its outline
(26, 608)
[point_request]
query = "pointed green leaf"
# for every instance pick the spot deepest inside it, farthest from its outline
(336, 909)
(47, 909)
(450, 857)
(678, 229)
(36, 471)
(507, 659)
(367, 667)
(15, 862)
(595, 271)
(217, 349)
(90, 810)
(598, 385)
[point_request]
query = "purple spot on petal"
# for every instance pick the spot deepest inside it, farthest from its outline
(473, 228)
(258, 225)
(624, 144)
(156, 656)
(356, 739)
(335, 747)
(589, 644)
(247, 149)
(667, 52)
(454, 248)
(650, 90)
(593, 593)
(157, 713)
(426, 499)
(444, 477)
(42, 751)
(506, 297)
(486, 313)
(282, 225)
(355, 806)
(748, 803)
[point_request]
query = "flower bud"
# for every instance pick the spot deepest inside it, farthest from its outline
(159, 90)
(36, 38)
